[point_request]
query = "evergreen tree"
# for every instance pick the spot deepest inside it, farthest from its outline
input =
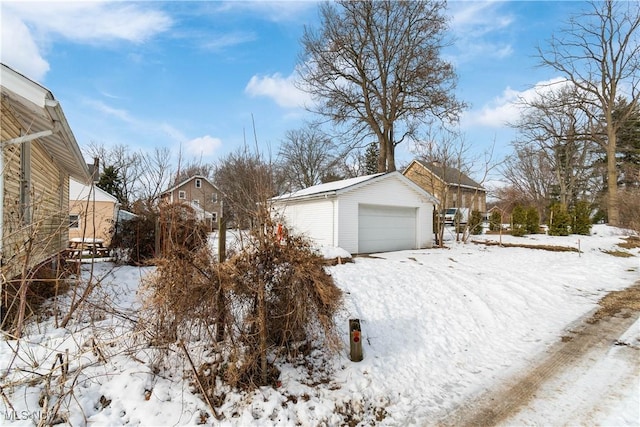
(519, 221)
(533, 220)
(371, 159)
(559, 220)
(629, 144)
(111, 182)
(476, 222)
(581, 218)
(495, 221)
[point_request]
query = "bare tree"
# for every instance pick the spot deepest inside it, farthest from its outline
(127, 165)
(306, 157)
(377, 67)
(599, 52)
(555, 148)
(246, 180)
(192, 168)
(448, 158)
(155, 177)
(141, 176)
(530, 176)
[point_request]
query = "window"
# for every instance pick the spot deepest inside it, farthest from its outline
(198, 183)
(196, 202)
(214, 217)
(74, 221)
(182, 195)
(214, 197)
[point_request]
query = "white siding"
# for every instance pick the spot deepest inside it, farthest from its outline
(313, 218)
(390, 192)
(333, 220)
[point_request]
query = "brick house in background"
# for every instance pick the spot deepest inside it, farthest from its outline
(199, 193)
(449, 185)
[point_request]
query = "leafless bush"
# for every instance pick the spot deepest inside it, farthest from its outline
(53, 369)
(629, 201)
(271, 300)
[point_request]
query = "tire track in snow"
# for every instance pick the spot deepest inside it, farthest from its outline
(590, 342)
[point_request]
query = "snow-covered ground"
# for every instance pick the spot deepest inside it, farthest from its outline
(440, 326)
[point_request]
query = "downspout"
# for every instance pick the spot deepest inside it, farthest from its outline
(333, 222)
(17, 140)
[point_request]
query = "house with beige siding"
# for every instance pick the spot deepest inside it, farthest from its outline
(449, 185)
(199, 193)
(92, 212)
(38, 155)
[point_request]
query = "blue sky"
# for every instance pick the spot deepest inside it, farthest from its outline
(193, 74)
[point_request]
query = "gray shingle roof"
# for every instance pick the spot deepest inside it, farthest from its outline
(449, 174)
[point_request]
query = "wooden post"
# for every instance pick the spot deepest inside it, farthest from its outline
(355, 340)
(222, 239)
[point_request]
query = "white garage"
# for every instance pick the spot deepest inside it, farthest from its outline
(374, 213)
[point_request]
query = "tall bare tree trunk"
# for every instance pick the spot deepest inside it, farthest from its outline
(382, 156)
(391, 158)
(612, 180)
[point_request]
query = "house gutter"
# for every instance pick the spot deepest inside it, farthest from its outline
(61, 125)
(309, 197)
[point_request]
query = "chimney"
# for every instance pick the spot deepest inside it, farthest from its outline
(95, 170)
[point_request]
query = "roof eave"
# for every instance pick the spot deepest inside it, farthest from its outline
(80, 170)
(323, 195)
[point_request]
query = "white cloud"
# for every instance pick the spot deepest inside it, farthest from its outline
(479, 28)
(281, 89)
(481, 17)
(203, 146)
(507, 107)
(173, 133)
(18, 49)
(218, 43)
(28, 29)
(276, 11)
(89, 22)
(111, 111)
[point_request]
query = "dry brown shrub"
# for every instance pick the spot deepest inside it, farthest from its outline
(274, 298)
(180, 227)
(183, 297)
(299, 291)
(43, 282)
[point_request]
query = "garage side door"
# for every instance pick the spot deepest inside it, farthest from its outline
(386, 228)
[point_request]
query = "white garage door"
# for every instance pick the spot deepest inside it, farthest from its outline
(386, 228)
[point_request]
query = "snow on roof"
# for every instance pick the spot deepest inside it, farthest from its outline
(79, 191)
(328, 187)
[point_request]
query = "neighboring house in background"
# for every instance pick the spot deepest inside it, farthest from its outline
(199, 193)
(38, 155)
(449, 185)
(92, 212)
(374, 213)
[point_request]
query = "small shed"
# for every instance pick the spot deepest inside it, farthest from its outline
(374, 213)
